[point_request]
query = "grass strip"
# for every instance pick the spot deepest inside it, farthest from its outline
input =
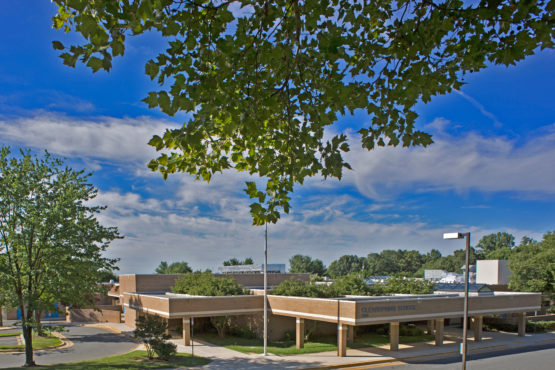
(376, 340)
(10, 334)
(288, 347)
(38, 343)
(281, 348)
(132, 360)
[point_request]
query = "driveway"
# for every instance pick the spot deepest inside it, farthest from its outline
(88, 343)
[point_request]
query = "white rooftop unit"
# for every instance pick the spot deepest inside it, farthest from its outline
(493, 272)
(274, 268)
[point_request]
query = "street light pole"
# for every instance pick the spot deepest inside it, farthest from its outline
(466, 274)
(266, 290)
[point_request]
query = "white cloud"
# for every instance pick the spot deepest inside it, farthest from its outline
(105, 138)
(206, 224)
(155, 233)
(461, 164)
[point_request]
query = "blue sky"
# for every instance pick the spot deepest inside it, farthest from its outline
(491, 167)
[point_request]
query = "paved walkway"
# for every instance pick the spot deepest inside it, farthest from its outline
(86, 343)
(223, 358)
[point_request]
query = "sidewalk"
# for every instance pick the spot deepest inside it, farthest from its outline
(223, 358)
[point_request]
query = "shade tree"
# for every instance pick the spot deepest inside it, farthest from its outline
(264, 81)
(51, 242)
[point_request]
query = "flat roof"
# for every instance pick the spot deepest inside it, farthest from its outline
(352, 310)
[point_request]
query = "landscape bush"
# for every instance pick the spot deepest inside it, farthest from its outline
(151, 330)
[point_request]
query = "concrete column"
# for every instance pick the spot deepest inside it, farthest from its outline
(394, 336)
(521, 324)
(350, 334)
(300, 332)
(187, 331)
(342, 340)
(477, 322)
(439, 331)
(430, 327)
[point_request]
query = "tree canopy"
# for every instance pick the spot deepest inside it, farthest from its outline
(495, 246)
(305, 264)
(346, 265)
(51, 243)
(235, 262)
(533, 265)
(262, 80)
(174, 268)
(206, 284)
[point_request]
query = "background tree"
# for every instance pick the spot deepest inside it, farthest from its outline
(51, 242)
(533, 265)
(235, 262)
(305, 264)
(345, 265)
(402, 285)
(390, 262)
(262, 80)
(206, 284)
(175, 268)
(495, 246)
(108, 275)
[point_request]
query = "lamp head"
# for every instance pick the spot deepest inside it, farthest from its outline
(453, 236)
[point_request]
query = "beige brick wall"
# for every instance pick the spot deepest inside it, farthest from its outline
(106, 314)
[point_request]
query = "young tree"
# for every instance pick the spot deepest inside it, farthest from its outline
(50, 240)
(262, 80)
(175, 268)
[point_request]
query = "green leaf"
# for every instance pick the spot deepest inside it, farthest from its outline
(57, 45)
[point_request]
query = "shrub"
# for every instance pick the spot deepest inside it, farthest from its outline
(242, 332)
(152, 331)
(164, 350)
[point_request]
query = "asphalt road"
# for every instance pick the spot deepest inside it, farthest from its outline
(88, 343)
(540, 357)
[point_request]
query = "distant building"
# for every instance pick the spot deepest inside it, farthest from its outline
(273, 268)
(371, 280)
(494, 272)
(473, 289)
(452, 278)
(434, 275)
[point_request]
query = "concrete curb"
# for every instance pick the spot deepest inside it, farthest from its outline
(66, 343)
(400, 359)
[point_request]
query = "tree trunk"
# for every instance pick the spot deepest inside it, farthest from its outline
(1, 317)
(37, 315)
(220, 322)
(27, 330)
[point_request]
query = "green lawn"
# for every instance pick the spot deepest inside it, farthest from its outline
(38, 343)
(10, 334)
(323, 344)
(285, 347)
(376, 340)
(132, 360)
